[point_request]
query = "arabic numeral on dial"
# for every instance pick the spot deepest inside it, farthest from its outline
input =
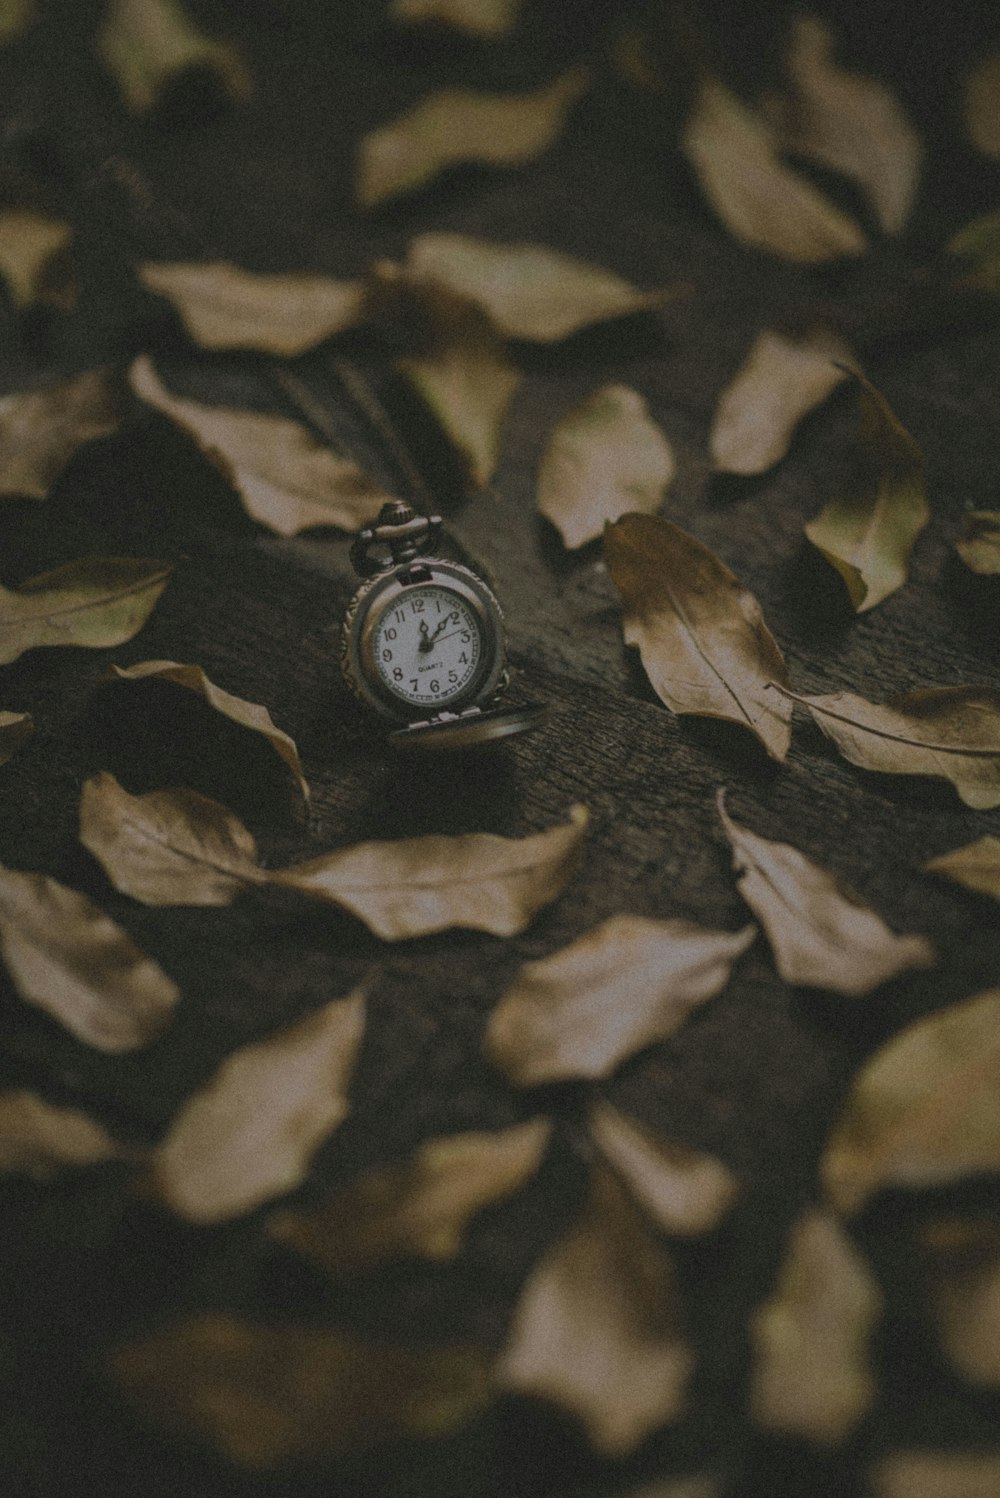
(452, 678)
(387, 655)
(463, 659)
(390, 634)
(465, 637)
(435, 686)
(414, 685)
(397, 673)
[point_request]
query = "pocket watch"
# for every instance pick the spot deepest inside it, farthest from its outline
(422, 642)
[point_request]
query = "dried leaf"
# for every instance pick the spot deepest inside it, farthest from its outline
(250, 1133)
(528, 290)
(459, 124)
(976, 866)
(821, 932)
(286, 478)
(980, 547)
(34, 258)
(604, 459)
(248, 714)
(779, 382)
(15, 729)
(41, 1141)
(683, 1190)
(490, 18)
(420, 1207)
(937, 1474)
(15, 16)
(224, 306)
(701, 635)
(266, 1395)
(812, 1375)
(978, 244)
(71, 960)
(94, 602)
(40, 430)
(964, 1295)
(625, 985)
(597, 1328)
(868, 533)
(925, 1109)
(759, 199)
(949, 732)
(855, 125)
(147, 44)
(982, 105)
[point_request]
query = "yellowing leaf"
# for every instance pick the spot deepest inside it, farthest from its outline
(853, 124)
(701, 635)
(248, 714)
(980, 547)
(976, 866)
(758, 198)
(949, 732)
(462, 125)
(925, 1109)
(869, 532)
(267, 1395)
(490, 18)
(604, 459)
(528, 290)
(812, 1374)
(94, 602)
(597, 1329)
(33, 257)
(147, 44)
(39, 1140)
(420, 1207)
(623, 986)
(40, 430)
(224, 306)
(780, 381)
(15, 16)
(822, 934)
(937, 1474)
(250, 1133)
(982, 105)
(15, 729)
(964, 1294)
(683, 1190)
(71, 960)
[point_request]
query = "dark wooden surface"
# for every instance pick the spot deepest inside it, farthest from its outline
(758, 1074)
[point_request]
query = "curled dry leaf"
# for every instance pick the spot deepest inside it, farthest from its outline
(224, 306)
(250, 1133)
(489, 18)
(982, 105)
(597, 1329)
(94, 602)
(623, 986)
(285, 477)
(760, 200)
(71, 960)
(420, 1207)
(603, 459)
(937, 1474)
(40, 430)
(952, 733)
(925, 1109)
(976, 866)
(701, 634)
(980, 546)
(963, 1269)
(812, 1373)
(248, 714)
(39, 1140)
(780, 381)
(868, 532)
(15, 730)
(855, 125)
(821, 932)
(34, 258)
(267, 1395)
(683, 1190)
(147, 44)
(462, 125)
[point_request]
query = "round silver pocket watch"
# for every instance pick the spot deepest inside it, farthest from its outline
(422, 642)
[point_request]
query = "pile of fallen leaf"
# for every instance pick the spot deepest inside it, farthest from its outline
(604, 1324)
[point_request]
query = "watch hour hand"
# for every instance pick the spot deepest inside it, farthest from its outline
(426, 639)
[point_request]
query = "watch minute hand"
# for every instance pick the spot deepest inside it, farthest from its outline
(426, 639)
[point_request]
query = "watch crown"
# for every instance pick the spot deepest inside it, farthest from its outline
(399, 528)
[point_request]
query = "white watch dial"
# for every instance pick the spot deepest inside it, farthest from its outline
(428, 645)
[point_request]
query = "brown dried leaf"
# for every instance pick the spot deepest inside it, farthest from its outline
(982, 105)
(851, 123)
(41, 1141)
(460, 124)
(701, 635)
(604, 459)
(71, 960)
(248, 714)
(597, 1328)
(420, 1207)
(952, 733)
(812, 1374)
(937, 1474)
(269, 1395)
(867, 534)
(94, 602)
(224, 306)
(821, 932)
(286, 478)
(963, 1266)
(759, 199)
(980, 546)
(780, 381)
(15, 729)
(925, 1109)
(15, 16)
(625, 985)
(34, 258)
(976, 866)
(40, 430)
(147, 44)
(489, 18)
(251, 1131)
(683, 1190)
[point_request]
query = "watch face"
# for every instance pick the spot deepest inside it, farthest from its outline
(428, 646)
